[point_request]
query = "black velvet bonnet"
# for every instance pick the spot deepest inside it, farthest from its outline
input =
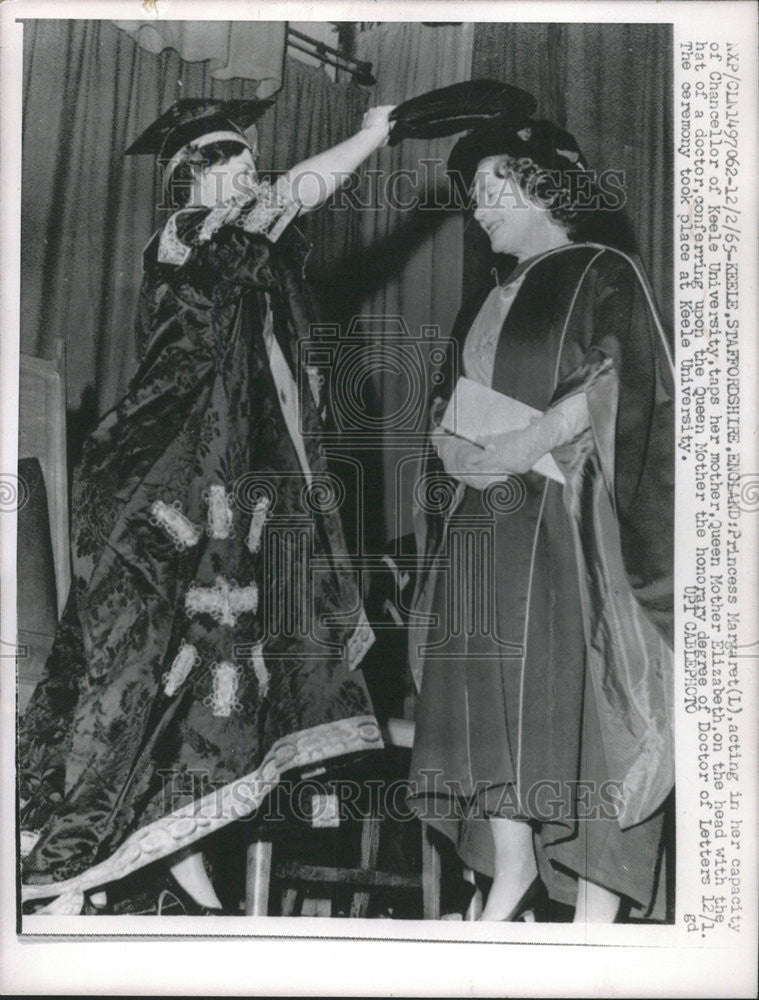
(548, 146)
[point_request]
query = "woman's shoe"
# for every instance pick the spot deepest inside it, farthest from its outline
(89, 909)
(533, 904)
(173, 901)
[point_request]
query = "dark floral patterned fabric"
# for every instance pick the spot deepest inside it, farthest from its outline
(146, 702)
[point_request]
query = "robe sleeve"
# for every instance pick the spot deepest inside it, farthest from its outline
(442, 493)
(619, 357)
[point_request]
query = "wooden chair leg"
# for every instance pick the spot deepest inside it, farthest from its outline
(430, 877)
(257, 878)
(370, 832)
(290, 902)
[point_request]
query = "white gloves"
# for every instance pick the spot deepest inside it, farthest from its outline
(512, 451)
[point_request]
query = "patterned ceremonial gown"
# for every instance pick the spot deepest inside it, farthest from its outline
(214, 616)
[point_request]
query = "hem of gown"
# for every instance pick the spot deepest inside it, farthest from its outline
(239, 799)
(472, 850)
(560, 879)
(562, 884)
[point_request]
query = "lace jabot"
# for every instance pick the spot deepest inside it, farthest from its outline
(264, 210)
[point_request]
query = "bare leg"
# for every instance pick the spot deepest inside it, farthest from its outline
(515, 866)
(595, 905)
(191, 875)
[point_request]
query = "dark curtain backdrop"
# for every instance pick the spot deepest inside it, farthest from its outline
(410, 263)
(88, 211)
(610, 85)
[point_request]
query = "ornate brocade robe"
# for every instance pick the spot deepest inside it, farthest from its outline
(214, 617)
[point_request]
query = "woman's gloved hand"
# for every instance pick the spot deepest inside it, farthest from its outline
(515, 452)
(459, 457)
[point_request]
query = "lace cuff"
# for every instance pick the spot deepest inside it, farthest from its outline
(263, 209)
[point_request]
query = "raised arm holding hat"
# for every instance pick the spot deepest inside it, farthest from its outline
(215, 618)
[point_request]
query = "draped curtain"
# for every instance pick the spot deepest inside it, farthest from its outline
(411, 263)
(88, 211)
(250, 50)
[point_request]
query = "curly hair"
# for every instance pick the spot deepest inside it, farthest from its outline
(556, 191)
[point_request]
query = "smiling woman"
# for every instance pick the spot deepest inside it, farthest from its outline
(516, 223)
(549, 668)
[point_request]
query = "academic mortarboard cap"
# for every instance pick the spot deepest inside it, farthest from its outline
(191, 118)
(459, 107)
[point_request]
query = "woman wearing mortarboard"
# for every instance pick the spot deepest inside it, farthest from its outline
(214, 619)
(544, 726)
